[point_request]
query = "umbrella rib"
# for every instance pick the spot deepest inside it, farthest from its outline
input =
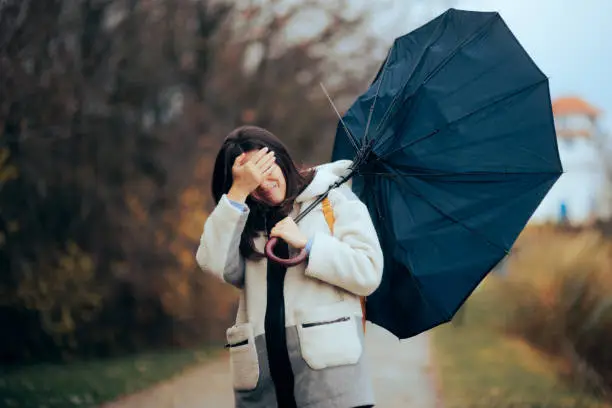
(435, 305)
(456, 90)
(464, 145)
(467, 41)
(418, 286)
(507, 203)
(539, 156)
(477, 75)
(352, 138)
(419, 60)
(500, 100)
(382, 76)
(453, 219)
(478, 33)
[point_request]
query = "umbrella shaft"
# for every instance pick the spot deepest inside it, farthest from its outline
(322, 196)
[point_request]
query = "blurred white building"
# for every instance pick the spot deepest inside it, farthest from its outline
(581, 194)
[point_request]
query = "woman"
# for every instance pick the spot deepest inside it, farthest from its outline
(298, 339)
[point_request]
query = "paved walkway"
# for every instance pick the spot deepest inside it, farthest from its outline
(401, 370)
(401, 373)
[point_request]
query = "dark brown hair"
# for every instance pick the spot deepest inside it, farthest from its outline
(262, 217)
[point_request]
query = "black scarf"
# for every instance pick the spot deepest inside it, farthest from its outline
(276, 333)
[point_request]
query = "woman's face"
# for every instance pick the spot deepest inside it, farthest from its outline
(273, 188)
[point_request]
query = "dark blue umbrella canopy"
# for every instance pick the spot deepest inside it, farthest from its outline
(454, 148)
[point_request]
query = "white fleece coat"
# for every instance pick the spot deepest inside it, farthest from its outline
(340, 268)
(322, 306)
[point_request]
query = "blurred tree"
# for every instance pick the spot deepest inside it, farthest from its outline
(111, 112)
(269, 74)
(87, 99)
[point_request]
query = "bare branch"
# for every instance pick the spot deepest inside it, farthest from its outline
(11, 27)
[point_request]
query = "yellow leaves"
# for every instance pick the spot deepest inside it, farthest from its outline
(64, 324)
(12, 226)
(7, 171)
(546, 267)
(177, 297)
(188, 228)
(191, 228)
(183, 289)
(186, 258)
(192, 196)
(136, 207)
(62, 291)
(193, 214)
(76, 264)
(183, 293)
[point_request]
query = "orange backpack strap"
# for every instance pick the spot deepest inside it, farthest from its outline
(328, 213)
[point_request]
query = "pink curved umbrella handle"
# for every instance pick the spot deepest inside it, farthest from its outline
(269, 251)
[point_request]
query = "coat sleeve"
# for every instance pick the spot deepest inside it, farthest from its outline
(352, 258)
(218, 252)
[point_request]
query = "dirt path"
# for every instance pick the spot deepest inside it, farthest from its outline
(401, 373)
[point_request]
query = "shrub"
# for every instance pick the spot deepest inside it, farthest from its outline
(559, 298)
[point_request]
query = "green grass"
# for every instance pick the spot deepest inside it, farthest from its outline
(88, 384)
(479, 366)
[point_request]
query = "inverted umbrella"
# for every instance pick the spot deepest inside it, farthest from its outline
(453, 148)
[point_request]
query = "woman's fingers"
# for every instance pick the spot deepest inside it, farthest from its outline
(239, 160)
(280, 226)
(257, 157)
(266, 161)
(257, 166)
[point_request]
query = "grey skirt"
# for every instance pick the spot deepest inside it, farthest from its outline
(341, 385)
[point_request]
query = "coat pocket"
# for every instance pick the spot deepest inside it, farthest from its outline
(329, 336)
(243, 357)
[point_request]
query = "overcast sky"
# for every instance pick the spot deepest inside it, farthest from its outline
(571, 41)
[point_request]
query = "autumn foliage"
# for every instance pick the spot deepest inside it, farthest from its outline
(110, 115)
(559, 298)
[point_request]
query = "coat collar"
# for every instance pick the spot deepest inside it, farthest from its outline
(326, 175)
